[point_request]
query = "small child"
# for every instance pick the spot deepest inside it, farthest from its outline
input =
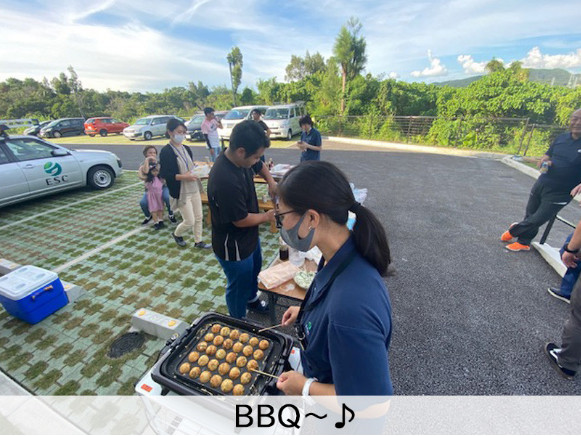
(154, 185)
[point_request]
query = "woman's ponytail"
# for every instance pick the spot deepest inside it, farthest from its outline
(370, 239)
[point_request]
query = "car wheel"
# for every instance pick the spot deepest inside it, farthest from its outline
(92, 136)
(147, 136)
(100, 177)
(56, 134)
(289, 135)
(103, 132)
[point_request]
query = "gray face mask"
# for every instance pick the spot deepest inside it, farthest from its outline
(291, 237)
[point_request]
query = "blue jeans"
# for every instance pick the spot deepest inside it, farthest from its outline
(217, 151)
(145, 207)
(572, 274)
(242, 277)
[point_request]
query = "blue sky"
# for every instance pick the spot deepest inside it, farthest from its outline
(146, 45)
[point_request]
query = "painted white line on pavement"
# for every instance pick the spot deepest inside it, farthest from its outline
(106, 245)
(67, 205)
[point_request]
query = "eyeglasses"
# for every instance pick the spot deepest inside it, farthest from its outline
(278, 218)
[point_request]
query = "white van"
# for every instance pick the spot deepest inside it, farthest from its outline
(235, 116)
(283, 120)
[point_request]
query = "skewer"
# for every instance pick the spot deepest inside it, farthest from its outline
(265, 373)
(268, 328)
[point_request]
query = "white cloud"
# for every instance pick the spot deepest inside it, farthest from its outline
(471, 67)
(435, 69)
(393, 75)
(535, 59)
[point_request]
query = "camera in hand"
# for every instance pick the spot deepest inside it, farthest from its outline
(152, 165)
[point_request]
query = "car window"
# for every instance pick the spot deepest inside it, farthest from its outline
(29, 149)
(114, 121)
(156, 121)
(63, 124)
(3, 157)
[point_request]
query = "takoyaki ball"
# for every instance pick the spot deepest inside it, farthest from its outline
(234, 335)
(209, 337)
(263, 345)
(220, 354)
(252, 364)
(245, 378)
(223, 368)
(225, 331)
(193, 356)
(231, 357)
(195, 372)
(244, 337)
(258, 355)
(237, 347)
(227, 385)
(215, 381)
(228, 344)
(241, 361)
(203, 360)
(216, 328)
(213, 364)
(247, 350)
(185, 368)
(211, 350)
(234, 373)
(218, 340)
(253, 341)
(205, 376)
(238, 390)
(202, 346)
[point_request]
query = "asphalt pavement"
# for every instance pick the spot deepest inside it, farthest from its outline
(469, 317)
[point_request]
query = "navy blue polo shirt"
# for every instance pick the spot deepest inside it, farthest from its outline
(312, 138)
(565, 170)
(348, 332)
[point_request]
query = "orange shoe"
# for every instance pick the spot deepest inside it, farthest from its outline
(506, 236)
(517, 246)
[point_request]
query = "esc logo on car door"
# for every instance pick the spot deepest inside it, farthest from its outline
(45, 168)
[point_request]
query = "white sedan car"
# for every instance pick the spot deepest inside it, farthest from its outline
(32, 167)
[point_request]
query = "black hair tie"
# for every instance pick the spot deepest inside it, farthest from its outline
(355, 207)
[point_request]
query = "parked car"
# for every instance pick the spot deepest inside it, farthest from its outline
(31, 167)
(148, 127)
(103, 126)
(63, 127)
(235, 116)
(35, 130)
(283, 120)
(194, 126)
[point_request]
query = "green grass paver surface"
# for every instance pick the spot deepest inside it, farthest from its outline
(66, 353)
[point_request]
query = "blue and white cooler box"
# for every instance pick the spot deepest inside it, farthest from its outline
(31, 293)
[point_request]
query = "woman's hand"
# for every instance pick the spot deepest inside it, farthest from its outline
(290, 316)
(291, 383)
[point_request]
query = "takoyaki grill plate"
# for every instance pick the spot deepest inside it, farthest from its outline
(167, 370)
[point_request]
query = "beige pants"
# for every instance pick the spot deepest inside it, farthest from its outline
(192, 214)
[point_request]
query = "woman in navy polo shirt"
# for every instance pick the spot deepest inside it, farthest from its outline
(311, 143)
(344, 322)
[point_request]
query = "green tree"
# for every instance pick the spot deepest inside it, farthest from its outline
(349, 51)
(299, 68)
(235, 63)
(494, 65)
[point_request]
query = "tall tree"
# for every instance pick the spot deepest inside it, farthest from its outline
(299, 68)
(235, 63)
(494, 65)
(349, 51)
(76, 88)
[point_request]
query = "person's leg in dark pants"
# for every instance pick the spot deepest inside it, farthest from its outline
(239, 276)
(145, 208)
(256, 267)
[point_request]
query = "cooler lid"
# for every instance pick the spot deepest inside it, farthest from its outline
(25, 280)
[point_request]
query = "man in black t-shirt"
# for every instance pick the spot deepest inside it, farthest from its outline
(235, 215)
(559, 182)
(256, 114)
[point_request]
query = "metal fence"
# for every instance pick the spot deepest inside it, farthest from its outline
(506, 135)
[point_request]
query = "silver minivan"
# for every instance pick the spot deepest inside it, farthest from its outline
(283, 120)
(148, 127)
(237, 115)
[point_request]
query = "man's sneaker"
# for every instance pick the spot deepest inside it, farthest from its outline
(258, 306)
(202, 245)
(517, 246)
(506, 236)
(179, 240)
(146, 220)
(556, 292)
(173, 219)
(551, 350)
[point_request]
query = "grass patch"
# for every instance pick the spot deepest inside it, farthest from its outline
(189, 282)
(219, 291)
(109, 376)
(61, 350)
(46, 342)
(174, 296)
(48, 379)
(175, 312)
(11, 352)
(69, 388)
(36, 369)
(102, 336)
(188, 300)
(76, 357)
(86, 331)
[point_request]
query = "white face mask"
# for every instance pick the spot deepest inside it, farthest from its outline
(179, 138)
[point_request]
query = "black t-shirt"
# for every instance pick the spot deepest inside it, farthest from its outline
(265, 128)
(565, 171)
(231, 197)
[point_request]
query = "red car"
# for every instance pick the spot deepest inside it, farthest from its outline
(103, 126)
